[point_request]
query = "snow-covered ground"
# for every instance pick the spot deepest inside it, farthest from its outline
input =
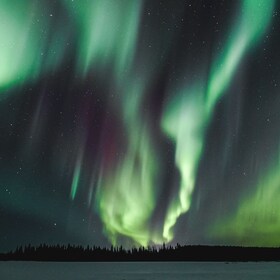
(139, 271)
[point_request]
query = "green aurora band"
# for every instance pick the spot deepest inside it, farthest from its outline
(256, 222)
(126, 197)
(186, 118)
(28, 48)
(126, 194)
(108, 32)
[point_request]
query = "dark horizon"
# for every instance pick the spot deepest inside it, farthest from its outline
(164, 253)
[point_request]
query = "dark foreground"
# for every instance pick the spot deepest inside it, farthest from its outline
(139, 271)
(178, 253)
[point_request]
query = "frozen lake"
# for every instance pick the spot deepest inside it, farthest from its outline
(139, 271)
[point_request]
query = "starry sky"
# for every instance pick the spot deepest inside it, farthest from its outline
(132, 123)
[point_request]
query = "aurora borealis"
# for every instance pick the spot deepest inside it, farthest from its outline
(133, 123)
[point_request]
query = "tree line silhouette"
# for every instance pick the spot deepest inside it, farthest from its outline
(164, 253)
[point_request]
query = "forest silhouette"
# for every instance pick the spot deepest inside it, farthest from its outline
(164, 253)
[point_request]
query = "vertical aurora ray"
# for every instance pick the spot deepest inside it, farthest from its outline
(189, 145)
(76, 178)
(78, 165)
(27, 48)
(108, 32)
(126, 194)
(125, 197)
(186, 118)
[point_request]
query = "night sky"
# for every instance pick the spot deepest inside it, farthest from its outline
(131, 122)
